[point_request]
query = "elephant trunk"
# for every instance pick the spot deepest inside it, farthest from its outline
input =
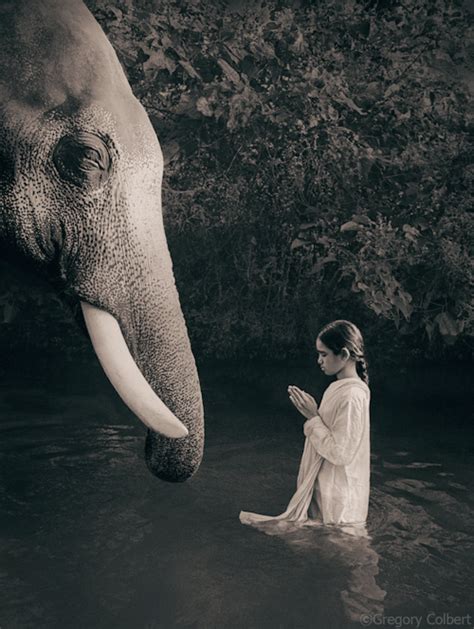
(143, 301)
(167, 362)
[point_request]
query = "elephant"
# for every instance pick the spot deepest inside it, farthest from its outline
(80, 201)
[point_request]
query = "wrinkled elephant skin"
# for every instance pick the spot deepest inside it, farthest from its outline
(80, 198)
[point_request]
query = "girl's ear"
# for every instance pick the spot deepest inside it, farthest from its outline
(345, 354)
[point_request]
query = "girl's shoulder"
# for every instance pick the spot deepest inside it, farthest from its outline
(349, 388)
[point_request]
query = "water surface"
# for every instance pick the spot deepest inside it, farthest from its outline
(90, 539)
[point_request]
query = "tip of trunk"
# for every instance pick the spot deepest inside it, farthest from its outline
(173, 460)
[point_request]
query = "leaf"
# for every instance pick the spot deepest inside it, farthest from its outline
(202, 105)
(262, 49)
(391, 89)
(350, 226)
(448, 325)
(358, 286)
(271, 26)
(241, 107)
(321, 263)
(429, 327)
(376, 308)
(186, 106)
(361, 219)
(235, 53)
(157, 60)
(171, 151)
(189, 69)
(411, 233)
(297, 242)
(229, 72)
(402, 302)
(117, 13)
(345, 100)
(298, 45)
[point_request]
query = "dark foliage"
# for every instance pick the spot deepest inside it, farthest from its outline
(318, 166)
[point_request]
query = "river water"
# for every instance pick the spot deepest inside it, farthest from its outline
(90, 539)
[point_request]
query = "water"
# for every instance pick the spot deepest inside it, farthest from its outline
(90, 539)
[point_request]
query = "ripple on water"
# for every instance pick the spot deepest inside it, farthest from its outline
(425, 533)
(53, 439)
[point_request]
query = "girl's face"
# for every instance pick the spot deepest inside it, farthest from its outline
(330, 363)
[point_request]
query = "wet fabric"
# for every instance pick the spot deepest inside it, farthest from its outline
(333, 481)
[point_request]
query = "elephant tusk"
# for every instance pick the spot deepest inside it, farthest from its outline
(124, 374)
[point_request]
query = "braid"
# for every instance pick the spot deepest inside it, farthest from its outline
(362, 369)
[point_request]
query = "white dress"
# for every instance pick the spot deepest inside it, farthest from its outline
(334, 473)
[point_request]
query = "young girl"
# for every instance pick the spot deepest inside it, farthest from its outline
(334, 476)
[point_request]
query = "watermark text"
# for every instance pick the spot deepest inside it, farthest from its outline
(431, 619)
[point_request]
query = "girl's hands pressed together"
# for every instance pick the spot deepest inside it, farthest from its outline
(304, 402)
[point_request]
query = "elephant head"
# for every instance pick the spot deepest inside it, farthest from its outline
(80, 198)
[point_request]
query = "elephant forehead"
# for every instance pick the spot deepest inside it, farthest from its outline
(54, 49)
(55, 59)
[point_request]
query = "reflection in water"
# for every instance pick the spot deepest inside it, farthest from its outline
(348, 549)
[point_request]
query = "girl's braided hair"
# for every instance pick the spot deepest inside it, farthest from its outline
(342, 333)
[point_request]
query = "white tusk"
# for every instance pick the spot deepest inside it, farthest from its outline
(122, 371)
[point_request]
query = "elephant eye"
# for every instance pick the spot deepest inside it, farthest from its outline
(82, 159)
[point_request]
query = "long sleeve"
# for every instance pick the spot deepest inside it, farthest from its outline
(339, 444)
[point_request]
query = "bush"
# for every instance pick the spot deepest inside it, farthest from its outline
(316, 166)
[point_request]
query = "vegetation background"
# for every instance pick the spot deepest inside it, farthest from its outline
(318, 166)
